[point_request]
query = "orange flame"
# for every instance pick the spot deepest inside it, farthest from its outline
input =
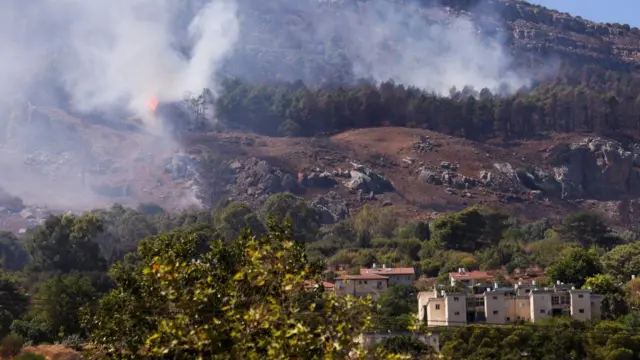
(152, 104)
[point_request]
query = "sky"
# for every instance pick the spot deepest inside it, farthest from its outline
(612, 11)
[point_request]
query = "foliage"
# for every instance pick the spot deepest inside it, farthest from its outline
(587, 229)
(67, 243)
(623, 261)
(60, 300)
(13, 302)
(614, 298)
(575, 266)
(556, 339)
(407, 345)
(305, 219)
(246, 299)
(11, 345)
(580, 100)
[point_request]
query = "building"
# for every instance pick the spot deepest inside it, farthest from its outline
(507, 305)
(469, 278)
(395, 275)
(361, 285)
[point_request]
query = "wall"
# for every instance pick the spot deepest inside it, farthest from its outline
(437, 312)
(494, 307)
(361, 288)
(540, 301)
(580, 304)
(456, 309)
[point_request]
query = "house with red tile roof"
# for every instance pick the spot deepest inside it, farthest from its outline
(362, 285)
(469, 278)
(395, 275)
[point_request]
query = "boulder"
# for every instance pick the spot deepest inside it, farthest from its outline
(430, 177)
(367, 180)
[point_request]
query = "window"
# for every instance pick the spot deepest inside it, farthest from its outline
(508, 318)
(581, 311)
(437, 306)
(495, 312)
(359, 282)
(542, 311)
(555, 300)
(580, 296)
(365, 282)
(456, 313)
(495, 298)
(527, 291)
(455, 298)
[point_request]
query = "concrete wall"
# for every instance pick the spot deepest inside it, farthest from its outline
(580, 304)
(361, 288)
(494, 308)
(456, 309)
(540, 305)
(437, 312)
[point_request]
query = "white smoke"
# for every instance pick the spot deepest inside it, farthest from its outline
(119, 52)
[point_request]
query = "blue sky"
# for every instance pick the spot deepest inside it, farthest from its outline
(620, 11)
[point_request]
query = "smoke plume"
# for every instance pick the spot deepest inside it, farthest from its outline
(110, 53)
(98, 57)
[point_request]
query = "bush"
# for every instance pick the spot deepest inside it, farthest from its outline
(73, 341)
(11, 345)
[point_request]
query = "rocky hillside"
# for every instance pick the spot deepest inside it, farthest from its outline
(332, 41)
(421, 173)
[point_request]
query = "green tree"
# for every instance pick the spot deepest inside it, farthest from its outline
(575, 266)
(305, 219)
(460, 231)
(614, 299)
(236, 217)
(249, 299)
(13, 302)
(59, 302)
(623, 261)
(587, 229)
(67, 243)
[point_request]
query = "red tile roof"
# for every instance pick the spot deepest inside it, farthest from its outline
(471, 275)
(362, 277)
(328, 285)
(389, 271)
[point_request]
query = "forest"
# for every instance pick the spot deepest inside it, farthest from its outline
(142, 283)
(587, 99)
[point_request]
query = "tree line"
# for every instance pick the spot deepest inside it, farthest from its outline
(576, 100)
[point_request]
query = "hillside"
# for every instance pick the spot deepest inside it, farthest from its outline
(92, 162)
(322, 42)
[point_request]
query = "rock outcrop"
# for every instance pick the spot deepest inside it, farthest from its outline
(366, 180)
(597, 168)
(256, 180)
(331, 208)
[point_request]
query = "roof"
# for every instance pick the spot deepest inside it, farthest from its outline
(389, 271)
(362, 277)
(308, 284)
(328, 285)
(471, 275)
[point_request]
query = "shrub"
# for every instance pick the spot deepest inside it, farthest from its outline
(11, 345)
